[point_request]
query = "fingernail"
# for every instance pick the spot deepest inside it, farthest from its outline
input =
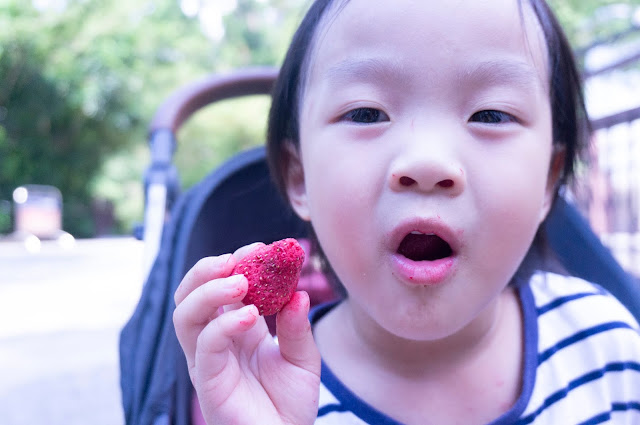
(232, 285)
(236, 279)
(225, 258)
(247, 315)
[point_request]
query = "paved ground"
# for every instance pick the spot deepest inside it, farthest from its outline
(61, 310)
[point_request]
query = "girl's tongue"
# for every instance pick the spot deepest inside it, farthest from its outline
(422, 247)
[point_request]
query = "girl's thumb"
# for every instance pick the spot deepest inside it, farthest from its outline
(294, 334)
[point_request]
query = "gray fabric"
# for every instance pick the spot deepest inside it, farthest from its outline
(582, 254)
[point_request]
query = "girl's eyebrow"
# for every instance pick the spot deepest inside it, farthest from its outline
(367, 69)
(504, 72)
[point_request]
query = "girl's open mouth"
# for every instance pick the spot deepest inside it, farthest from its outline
(418, 246)
(425, 251)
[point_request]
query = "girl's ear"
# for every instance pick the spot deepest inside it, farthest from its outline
(295, 183)
(555, 172)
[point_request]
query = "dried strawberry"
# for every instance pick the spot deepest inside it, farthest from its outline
(273, 272)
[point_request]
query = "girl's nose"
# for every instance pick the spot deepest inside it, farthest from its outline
(428, 168)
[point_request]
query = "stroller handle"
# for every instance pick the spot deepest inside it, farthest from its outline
(161, 184)
(185, 101)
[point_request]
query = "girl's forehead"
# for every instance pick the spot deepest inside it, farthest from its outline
(427, 33)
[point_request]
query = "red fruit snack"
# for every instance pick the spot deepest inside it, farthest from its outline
(273, 272)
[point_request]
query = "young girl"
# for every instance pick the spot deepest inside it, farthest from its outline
(425, 142)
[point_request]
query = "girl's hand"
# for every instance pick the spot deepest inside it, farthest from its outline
(241, 375)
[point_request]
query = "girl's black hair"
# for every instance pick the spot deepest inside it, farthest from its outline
(571, 127)
(570, 124)
(284, 116)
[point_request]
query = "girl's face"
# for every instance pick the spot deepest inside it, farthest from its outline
(425, 149)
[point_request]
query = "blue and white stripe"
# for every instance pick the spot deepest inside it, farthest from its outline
(588, 355)
(582, 360)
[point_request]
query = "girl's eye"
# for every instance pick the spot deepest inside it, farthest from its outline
(492, 117)
(365, 116)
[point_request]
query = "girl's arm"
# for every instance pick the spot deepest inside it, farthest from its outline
(240, 374)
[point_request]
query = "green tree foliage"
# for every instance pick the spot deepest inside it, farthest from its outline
(48, 137)
(588, 20)
(592, 24)
(78, 85)
(256, 33)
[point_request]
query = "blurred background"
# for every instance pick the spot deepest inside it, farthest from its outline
(80, 81)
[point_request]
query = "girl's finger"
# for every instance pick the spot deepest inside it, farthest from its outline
(209, 268)
(242, 252)
(215, 340)
(295, 337)
(206, 269)
(201, 306)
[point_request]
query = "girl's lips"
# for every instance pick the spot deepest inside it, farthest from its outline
(424, 272)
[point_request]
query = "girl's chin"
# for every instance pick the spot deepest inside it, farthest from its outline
(428, 332)
(412, 321)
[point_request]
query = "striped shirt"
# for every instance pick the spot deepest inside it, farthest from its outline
(581, 361)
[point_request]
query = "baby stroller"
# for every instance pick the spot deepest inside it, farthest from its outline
(234, 205)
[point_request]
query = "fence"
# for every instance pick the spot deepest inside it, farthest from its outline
(610, 197)
(610, 191)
